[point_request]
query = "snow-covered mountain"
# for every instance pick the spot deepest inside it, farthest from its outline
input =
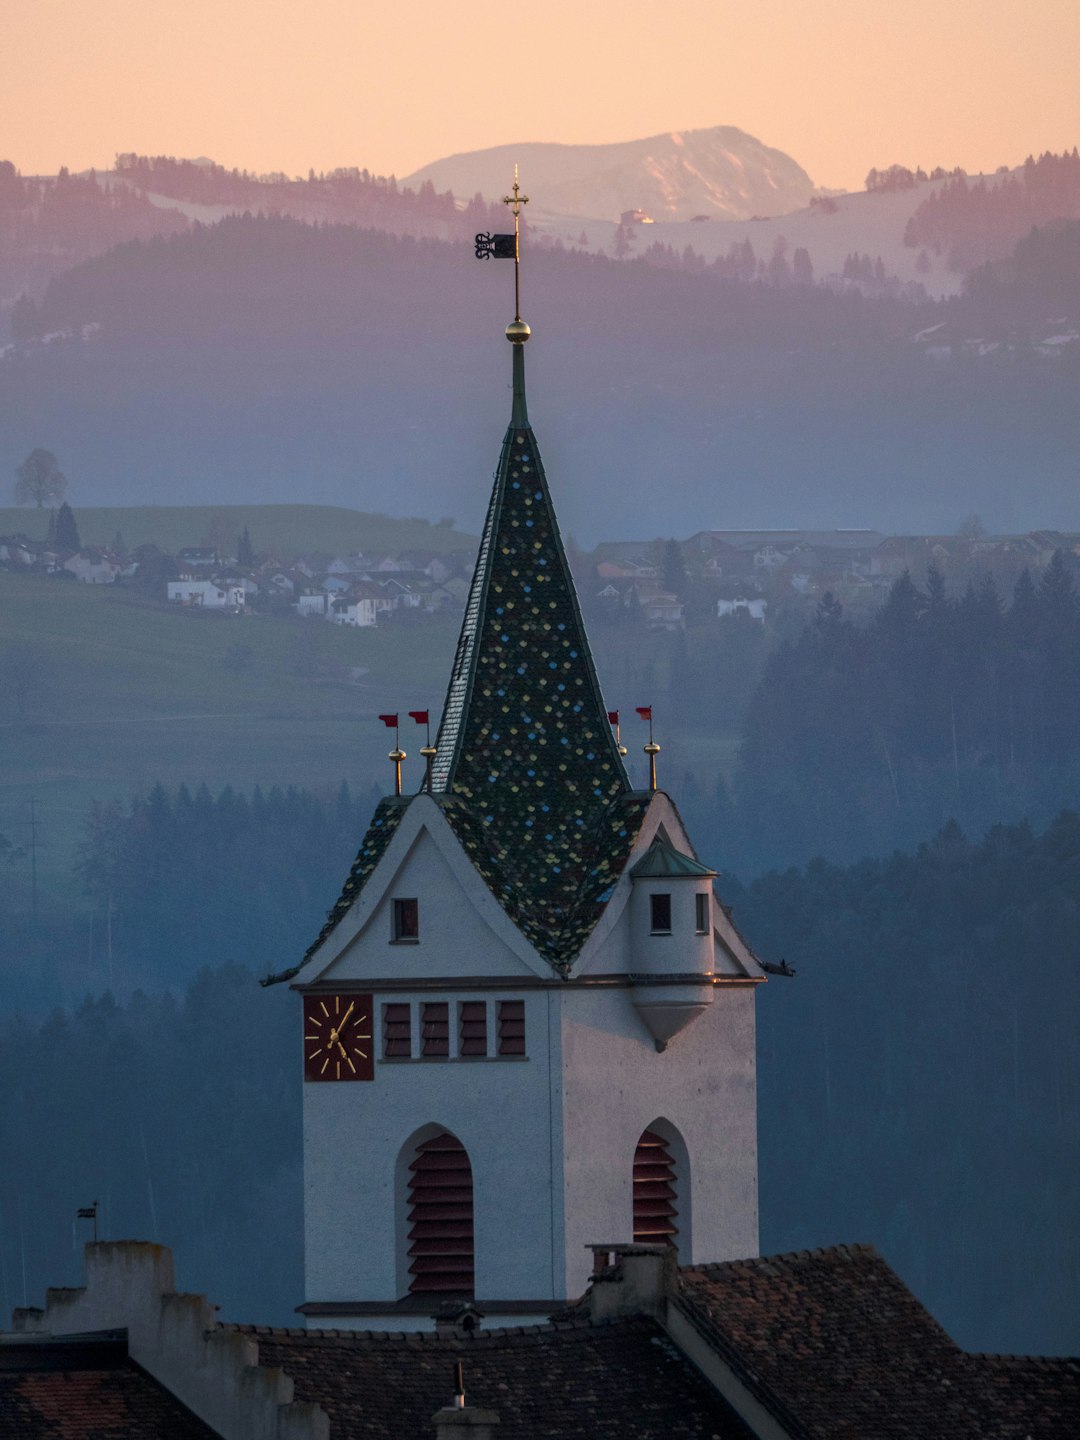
(721, 172)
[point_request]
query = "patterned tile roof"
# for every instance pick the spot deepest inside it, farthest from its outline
(527, 769)
(87, 1390)
(524, 738)
(836, 1345)
(581, 1381)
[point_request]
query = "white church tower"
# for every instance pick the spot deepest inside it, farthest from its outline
(528, 1021)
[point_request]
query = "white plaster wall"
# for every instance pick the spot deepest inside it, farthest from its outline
(456, 938)
(506, 1112)
(615, 1084)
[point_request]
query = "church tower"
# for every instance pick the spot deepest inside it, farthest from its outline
(528, 1020)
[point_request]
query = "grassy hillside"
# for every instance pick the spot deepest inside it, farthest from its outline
(102, 694)
(282, 529)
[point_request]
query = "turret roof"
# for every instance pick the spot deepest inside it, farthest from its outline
(663, 861)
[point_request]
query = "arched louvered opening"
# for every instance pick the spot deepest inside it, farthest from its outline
(441, 1218)
(655, 1195)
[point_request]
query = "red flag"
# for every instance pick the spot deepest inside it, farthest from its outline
(420, 716)
(613, 717)
(390, 721)
(645, 711)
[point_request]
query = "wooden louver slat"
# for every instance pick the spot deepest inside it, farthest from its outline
(655, 1196)
(441, 1219)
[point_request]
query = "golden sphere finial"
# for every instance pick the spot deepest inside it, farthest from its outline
(517, 332)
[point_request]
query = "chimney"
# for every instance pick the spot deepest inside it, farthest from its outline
(458, 1421)
(631, 1280)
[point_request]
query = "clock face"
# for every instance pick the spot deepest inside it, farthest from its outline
(338, 1037)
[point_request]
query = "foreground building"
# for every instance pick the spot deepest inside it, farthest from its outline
(820, 1345)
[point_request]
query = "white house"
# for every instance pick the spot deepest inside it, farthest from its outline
(205, 594)
(360, 611)
(93, 568)
(754, 608)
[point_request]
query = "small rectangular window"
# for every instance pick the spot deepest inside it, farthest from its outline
(397, 1032)
(511, 1027)
(473, 1018)
(406, 920)
(435, 1029)
(660, 914)
(701, 903)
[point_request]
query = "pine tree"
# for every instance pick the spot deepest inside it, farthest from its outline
(66, 536)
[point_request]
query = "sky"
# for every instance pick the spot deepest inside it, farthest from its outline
(840, 85)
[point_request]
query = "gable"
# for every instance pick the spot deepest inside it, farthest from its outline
(455, 937)
(411, 852)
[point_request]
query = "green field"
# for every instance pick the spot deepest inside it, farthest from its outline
(102, 694)
(279, 529)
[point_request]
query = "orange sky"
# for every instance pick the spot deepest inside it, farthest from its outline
(839, 84)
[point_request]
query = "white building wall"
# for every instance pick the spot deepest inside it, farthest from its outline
(615, 1084)
(455, 937)
(504, 1113)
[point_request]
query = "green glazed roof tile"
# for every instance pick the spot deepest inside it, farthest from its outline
(662, 861)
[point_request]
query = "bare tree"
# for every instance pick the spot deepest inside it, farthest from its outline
(39, 478)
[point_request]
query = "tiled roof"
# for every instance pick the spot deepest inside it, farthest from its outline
(87, 1390)
(663, 861)
(835, 1339)
(524, 738)
(618, 1381)
(555, 918)
(527, 768)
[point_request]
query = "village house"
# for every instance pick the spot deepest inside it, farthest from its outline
(755, 608)
(94, 567)
(205, 594)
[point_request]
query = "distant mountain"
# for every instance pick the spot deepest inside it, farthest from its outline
(721, 172)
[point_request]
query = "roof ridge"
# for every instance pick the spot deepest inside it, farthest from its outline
(785, 1257)
(451, 1339)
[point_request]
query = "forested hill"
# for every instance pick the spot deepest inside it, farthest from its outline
(918, 1086)
(263, 358)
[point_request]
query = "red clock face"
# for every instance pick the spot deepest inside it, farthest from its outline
(338, 1037)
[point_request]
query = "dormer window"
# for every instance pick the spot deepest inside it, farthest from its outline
(660, 913)
(701, 912)
(405, 924)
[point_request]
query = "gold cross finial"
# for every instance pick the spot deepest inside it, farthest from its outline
(516, 199)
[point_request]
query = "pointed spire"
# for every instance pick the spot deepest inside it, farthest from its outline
(525, 741)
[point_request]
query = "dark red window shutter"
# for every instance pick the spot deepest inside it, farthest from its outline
(655, 1211)
(397, 1037)
(511, 1027)
(473, 1028)
(441, 1219)
(435, 1028)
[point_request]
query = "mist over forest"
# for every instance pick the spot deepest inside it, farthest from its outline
(261, 356)
(891, 793)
